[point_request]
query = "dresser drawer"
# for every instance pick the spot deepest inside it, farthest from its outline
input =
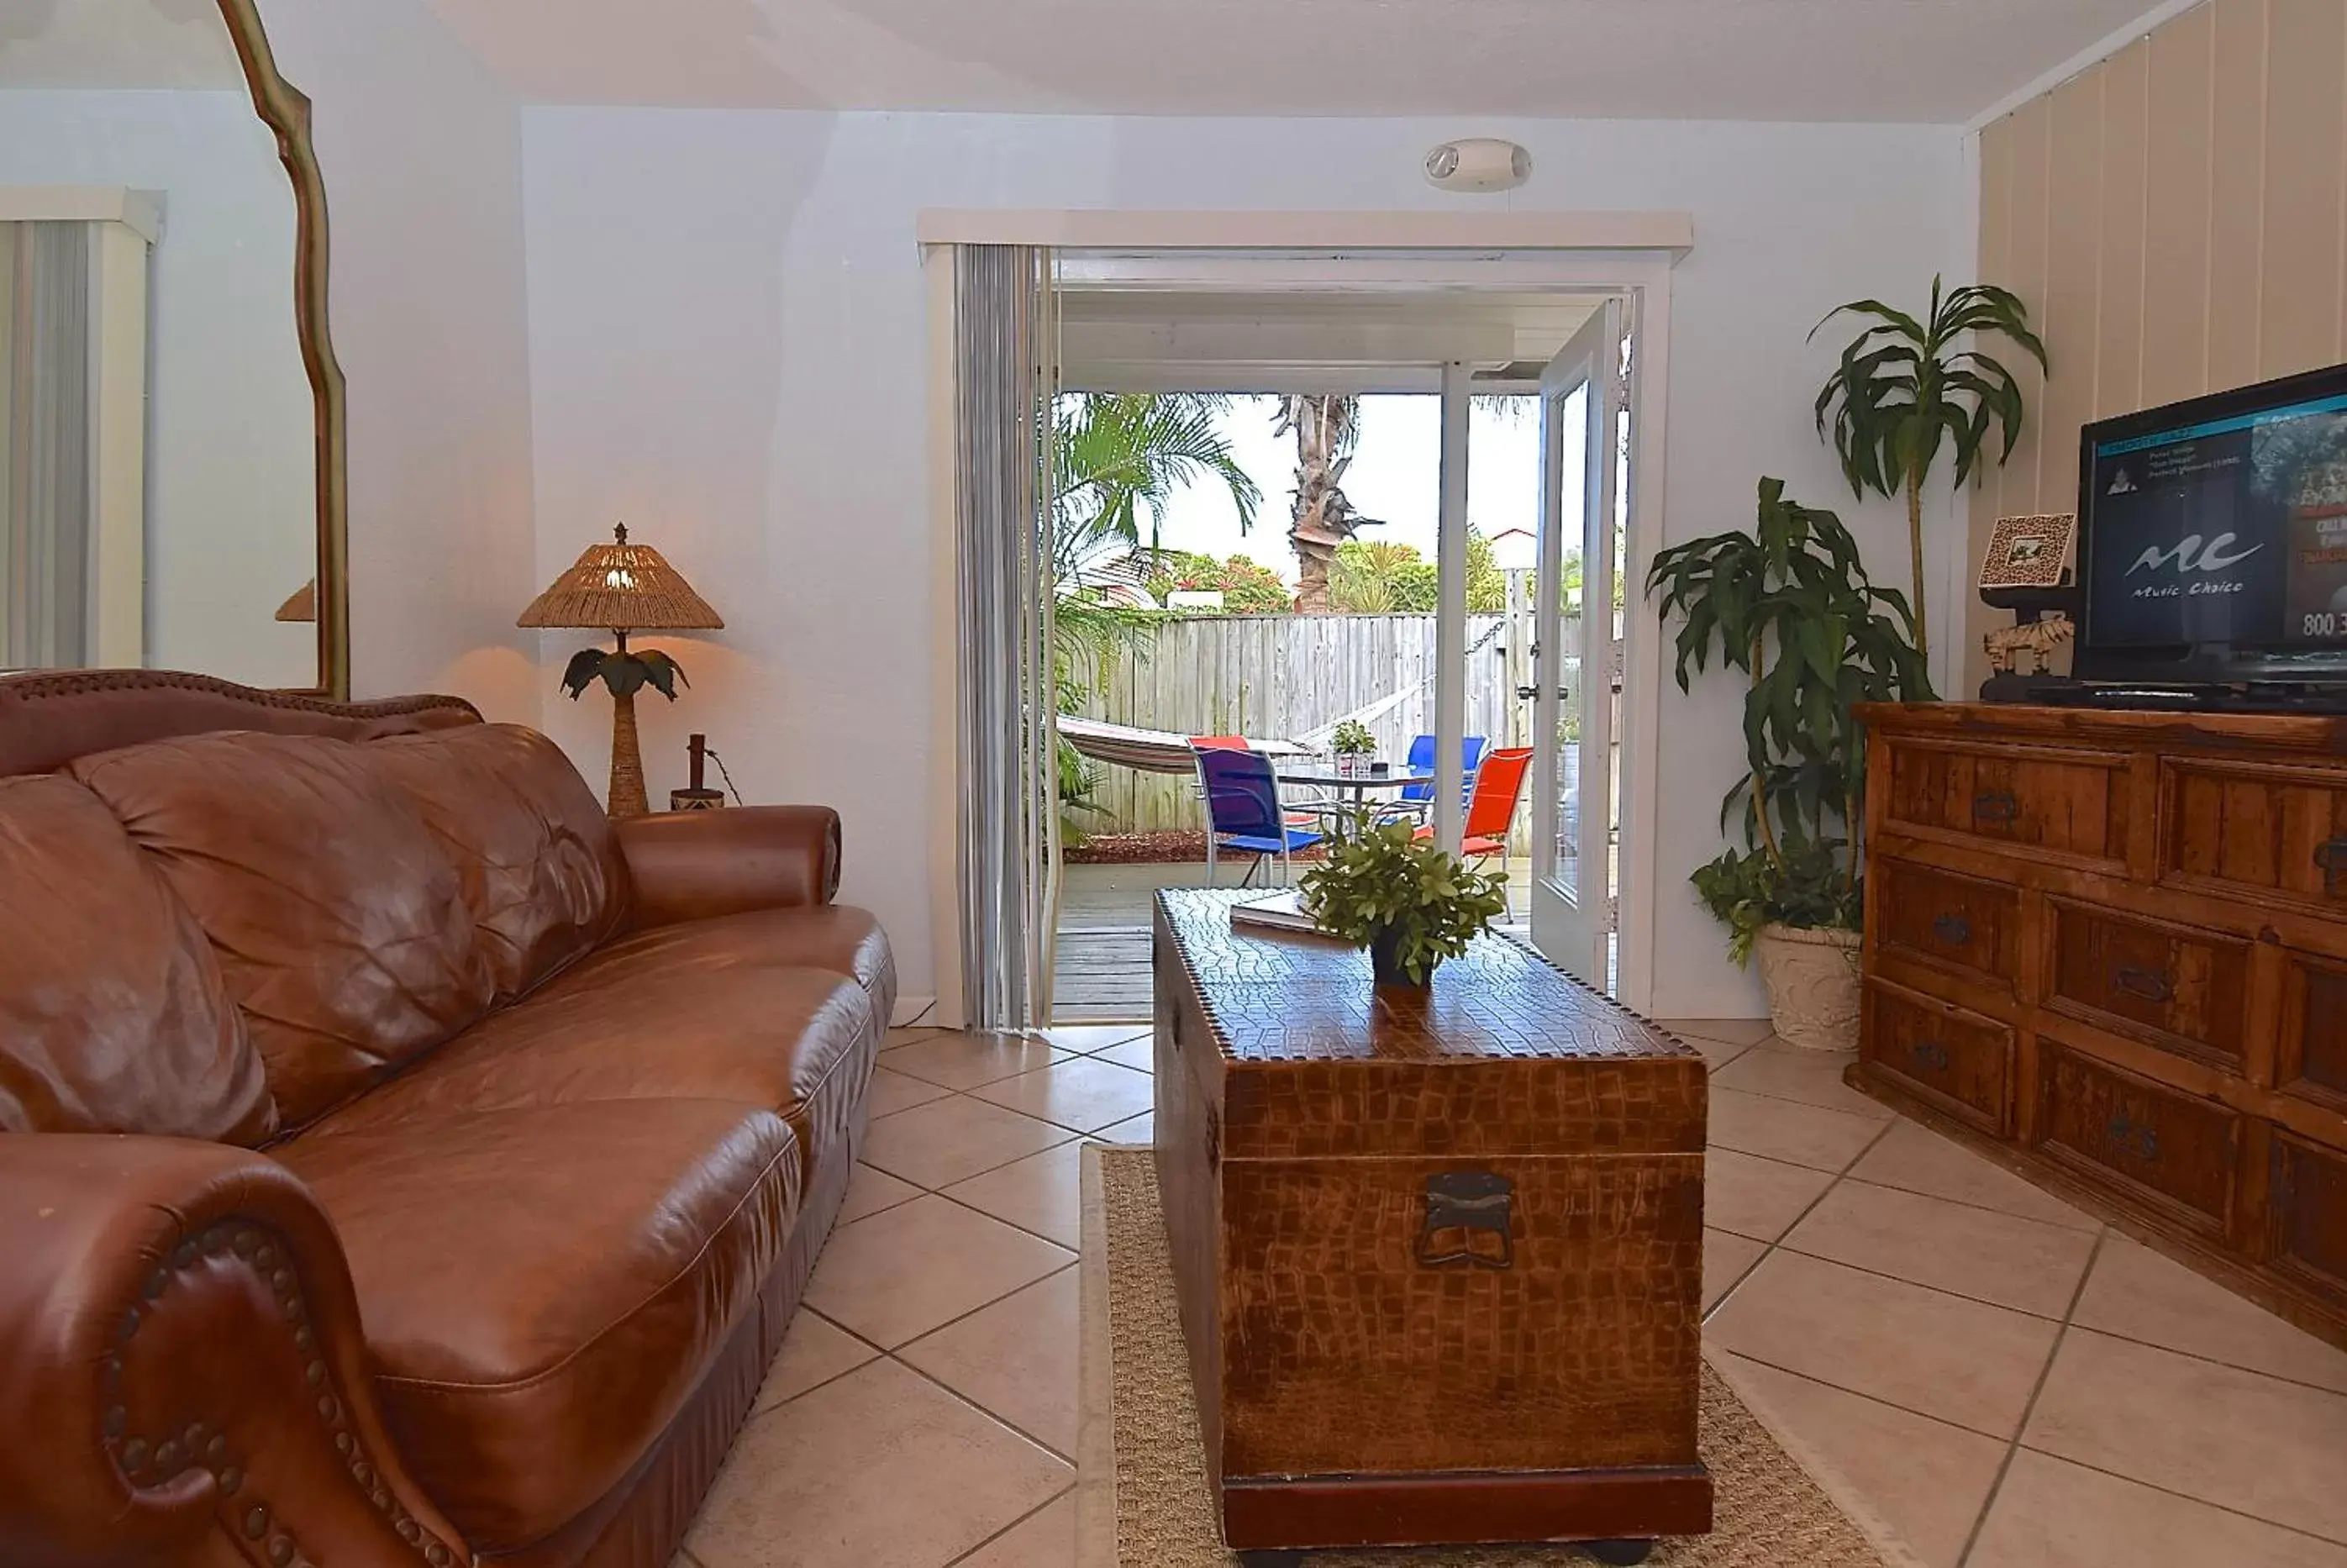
(2030, 800)
(1956, 1059)
(2139, 1139)
(2306, 1230)
(2180, 988)
(2267, 831)
(2313, 1058)
(1956, 922)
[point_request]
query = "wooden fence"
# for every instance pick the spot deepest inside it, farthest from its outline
(1284, 677)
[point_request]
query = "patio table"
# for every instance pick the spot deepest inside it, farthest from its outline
(1321, 775)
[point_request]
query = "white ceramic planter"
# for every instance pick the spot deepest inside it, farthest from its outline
(1813, 986)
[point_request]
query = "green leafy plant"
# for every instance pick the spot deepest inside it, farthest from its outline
(622, 672)
(1905, 387)
(1247, 586)
(1119, 458)
(1791, 605)
(1401, 896)
(1353, 739)
(1380, 577)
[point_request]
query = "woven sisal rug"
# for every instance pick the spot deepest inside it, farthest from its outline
(1142, 1500)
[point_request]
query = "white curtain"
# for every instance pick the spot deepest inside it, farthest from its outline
(1005, 369)
(46, 491)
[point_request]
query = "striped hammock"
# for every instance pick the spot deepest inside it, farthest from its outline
(1150, 750)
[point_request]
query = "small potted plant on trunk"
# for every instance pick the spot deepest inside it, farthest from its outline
(1354, 745)
(1790, 606)
(1403, 898)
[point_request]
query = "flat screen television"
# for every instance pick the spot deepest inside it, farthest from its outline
(2212, 542)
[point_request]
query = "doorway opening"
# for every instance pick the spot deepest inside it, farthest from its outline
(1394, 515)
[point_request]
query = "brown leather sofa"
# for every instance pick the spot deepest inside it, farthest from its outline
(405, 1163)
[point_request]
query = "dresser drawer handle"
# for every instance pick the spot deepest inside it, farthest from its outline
(2144, 985)
(1997, 809)
(1953, 929)
(1931, 1055)
(2330, 855)
(1469, 1220)
(2138, 1138)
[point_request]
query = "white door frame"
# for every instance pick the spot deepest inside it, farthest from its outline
(1571, 923)
(1630, 254)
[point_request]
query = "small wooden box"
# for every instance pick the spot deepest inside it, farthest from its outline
(1439, 1255)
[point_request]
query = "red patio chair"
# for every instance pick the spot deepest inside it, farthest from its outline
(1492, 811)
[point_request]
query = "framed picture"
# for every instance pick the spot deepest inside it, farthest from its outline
(2028, 552)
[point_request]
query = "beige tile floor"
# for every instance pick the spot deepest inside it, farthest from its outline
(2008, 1382)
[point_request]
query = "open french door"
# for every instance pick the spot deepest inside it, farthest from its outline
(1575, 659)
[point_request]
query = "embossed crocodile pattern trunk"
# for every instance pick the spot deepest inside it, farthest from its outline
(1440, 1253)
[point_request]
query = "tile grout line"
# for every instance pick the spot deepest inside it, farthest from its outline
(2183, 1496)
(1771, 1248)
(1859, 1394)
(1881, 1187)
(2037, 1390)
(1067, 1490)
(1787, 1246)
(2207, 1361)
(1005, 1422)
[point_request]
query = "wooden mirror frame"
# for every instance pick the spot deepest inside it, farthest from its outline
(285, 109)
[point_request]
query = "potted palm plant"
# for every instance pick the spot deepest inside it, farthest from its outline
(1906, 387)
(1790, 605)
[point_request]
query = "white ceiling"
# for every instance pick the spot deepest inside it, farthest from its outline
(1898, 60)
(116, 43)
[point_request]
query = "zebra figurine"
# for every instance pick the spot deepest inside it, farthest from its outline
(2037, 638)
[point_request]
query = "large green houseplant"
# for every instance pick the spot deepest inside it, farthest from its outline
(1907, 386)
(1789, 604)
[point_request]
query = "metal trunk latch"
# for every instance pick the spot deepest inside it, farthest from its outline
(1468, 1221)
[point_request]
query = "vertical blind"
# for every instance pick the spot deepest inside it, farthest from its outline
(1005, 369)
(46, 482)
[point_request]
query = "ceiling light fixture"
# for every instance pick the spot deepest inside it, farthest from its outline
(1478, 163)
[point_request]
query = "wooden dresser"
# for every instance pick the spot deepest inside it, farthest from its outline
(2112, 947)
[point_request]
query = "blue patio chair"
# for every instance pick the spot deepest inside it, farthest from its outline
(1243, 811)
(1418, 799)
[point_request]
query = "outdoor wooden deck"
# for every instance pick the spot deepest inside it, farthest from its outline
(1101, 961)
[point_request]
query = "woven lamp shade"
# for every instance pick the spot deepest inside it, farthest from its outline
(624, 588)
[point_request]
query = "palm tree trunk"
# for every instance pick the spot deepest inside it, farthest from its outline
(1915, 552)
(1322, 518)
(1312, 564)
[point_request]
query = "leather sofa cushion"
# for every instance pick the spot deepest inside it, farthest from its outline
(541, 868)
(707, 1016)
(836, 936)
(339, 921)
(543, 1288)
(113, 1014)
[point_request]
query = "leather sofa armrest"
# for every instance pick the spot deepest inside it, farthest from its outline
(182, 1377)
(695, 865)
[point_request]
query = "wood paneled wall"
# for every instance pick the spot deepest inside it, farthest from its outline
(2175, 219)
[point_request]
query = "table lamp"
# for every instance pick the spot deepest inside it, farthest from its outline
(623, 588)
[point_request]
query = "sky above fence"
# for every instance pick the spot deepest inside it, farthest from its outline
(1396, 476)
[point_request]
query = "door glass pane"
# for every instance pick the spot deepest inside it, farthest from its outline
(1503, 504)
(1573, 417)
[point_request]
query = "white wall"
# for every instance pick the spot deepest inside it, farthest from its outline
(728, 339)
(420, 147)
(232, 515)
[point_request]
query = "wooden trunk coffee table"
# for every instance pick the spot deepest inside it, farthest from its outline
(1440, 1254)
